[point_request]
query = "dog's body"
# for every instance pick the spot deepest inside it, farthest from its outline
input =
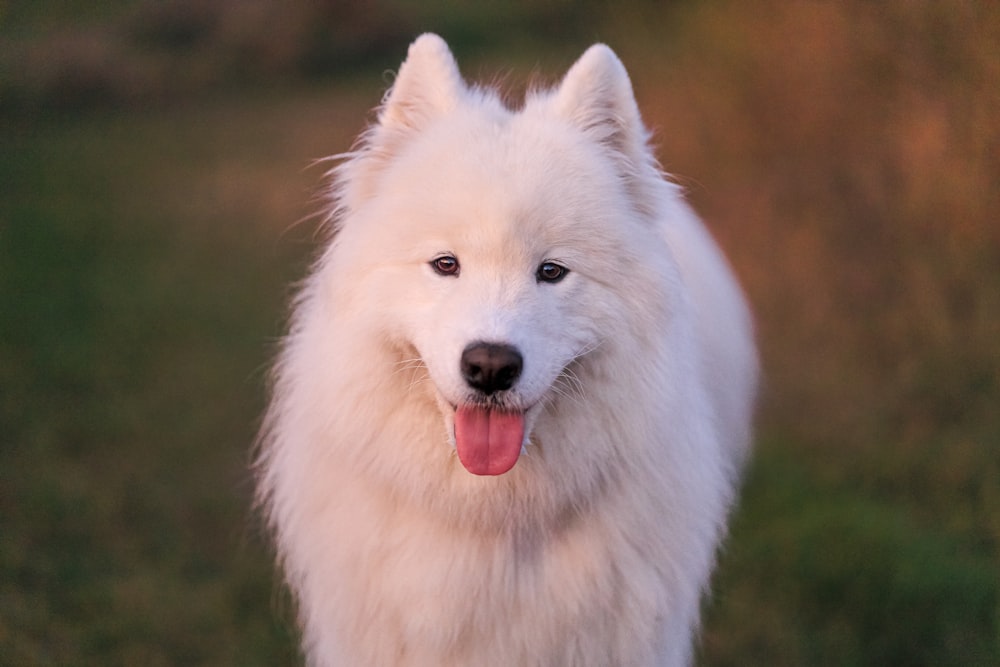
(510, 414)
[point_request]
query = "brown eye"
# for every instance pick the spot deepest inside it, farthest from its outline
(550, 272)
(445, 265)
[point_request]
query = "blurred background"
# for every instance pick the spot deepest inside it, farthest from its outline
(154, 174)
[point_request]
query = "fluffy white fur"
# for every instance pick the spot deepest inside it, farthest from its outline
(638, 379)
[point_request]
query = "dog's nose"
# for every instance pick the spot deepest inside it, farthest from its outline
(491, 367)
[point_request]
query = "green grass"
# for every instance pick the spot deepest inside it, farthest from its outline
(145, 258)
(816, 574)
(140, 299)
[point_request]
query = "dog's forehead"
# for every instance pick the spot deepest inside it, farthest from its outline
(485, 181)
(515, 160)
(497, 143)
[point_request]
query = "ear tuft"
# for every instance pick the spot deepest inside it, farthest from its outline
(596, 95)
(428, 83)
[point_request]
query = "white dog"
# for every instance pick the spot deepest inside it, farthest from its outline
(511, 412)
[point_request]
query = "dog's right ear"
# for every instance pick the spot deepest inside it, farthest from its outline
(428, 84)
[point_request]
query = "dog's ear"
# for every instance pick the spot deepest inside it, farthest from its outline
(428, 83)
(596, 96)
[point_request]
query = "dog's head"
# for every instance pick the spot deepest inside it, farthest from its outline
(502, 247)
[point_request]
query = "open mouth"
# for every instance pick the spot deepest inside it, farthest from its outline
(488, 439)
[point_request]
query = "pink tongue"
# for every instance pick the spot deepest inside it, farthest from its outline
(488, 441)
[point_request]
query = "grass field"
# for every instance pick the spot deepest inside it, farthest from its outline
(847, 155)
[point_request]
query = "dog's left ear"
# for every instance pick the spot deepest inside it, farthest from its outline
(596, 96)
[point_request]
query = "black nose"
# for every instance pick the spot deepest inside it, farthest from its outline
(489, 367)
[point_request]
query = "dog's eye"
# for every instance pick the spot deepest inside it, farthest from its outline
(445, 265)
(550, 272)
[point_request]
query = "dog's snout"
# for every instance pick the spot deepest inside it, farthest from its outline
(491, 367)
